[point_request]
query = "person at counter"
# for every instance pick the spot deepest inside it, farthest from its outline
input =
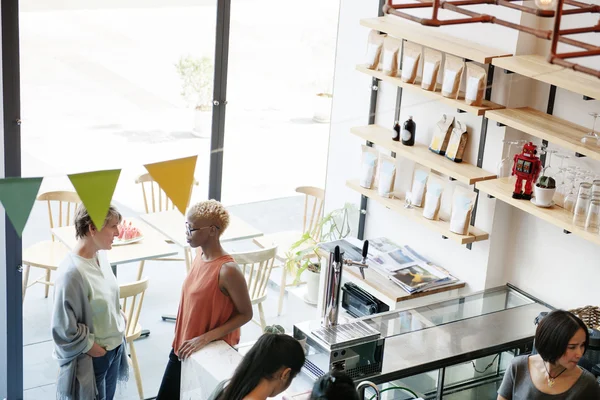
(214, 298)
(561, 339)
(334, 385)
(265, 371)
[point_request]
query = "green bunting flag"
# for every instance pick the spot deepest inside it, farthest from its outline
(18, 196)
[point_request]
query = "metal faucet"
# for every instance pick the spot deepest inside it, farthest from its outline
(360, 388)
(333, 280)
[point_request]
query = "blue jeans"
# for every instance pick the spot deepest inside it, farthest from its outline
(106, 369)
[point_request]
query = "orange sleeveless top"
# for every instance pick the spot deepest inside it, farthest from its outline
(203, 307)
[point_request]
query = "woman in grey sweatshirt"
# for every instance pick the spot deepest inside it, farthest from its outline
(88, 327)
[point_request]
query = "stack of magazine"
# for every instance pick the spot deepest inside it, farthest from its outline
(400, 264)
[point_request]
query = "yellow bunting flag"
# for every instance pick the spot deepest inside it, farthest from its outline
(176, 178)
(17, 196)
(96, 189)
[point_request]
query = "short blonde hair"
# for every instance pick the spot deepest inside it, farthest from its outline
(83, 221)
(211, 210)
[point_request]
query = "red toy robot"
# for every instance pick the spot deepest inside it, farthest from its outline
(527, 167)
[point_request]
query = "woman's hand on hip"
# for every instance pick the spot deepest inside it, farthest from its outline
(191, 346)
(97, 351)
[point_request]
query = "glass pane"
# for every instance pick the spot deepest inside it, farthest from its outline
(101, 88)
(278, 102)
(487, 302)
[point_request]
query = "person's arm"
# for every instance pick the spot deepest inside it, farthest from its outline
(71, 336)
(234, 283)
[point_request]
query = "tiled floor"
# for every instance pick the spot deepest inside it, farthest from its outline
(40, 369)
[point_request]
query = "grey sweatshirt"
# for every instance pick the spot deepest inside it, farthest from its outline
(73, 334)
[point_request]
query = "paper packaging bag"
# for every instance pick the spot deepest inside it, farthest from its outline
(433, 197)
(388, 61)
(476, 81)
(368, 166)
(431, 67)
(458, 142)
(410, 62)
(387, 175)
(419, 186)
(441, 135)
(453, 70)
(374, 48)
(462, 205)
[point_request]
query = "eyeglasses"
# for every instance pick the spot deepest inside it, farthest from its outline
(189, 230)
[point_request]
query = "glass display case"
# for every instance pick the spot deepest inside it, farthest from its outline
(454, 349)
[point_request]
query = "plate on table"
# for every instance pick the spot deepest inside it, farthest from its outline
(119, 242)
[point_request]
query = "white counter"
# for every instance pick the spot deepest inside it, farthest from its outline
(203, 371)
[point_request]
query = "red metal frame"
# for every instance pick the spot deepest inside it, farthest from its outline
(556, 35)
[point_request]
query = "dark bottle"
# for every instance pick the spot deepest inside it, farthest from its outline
(408, 132)
(396, 136)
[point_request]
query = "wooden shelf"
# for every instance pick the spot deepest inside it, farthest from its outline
(536, 67)
(502, 190)
(416, 214)
(463, 172)
(546, 127)
(433, 38)
(437, 95)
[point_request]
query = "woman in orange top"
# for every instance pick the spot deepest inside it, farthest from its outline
(214, 299)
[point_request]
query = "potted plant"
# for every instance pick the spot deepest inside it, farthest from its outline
(544, 191)
(274, 329)
(197, 88)
(303, 256)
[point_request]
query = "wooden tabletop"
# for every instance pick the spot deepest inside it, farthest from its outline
(152, 246)
(172, 225)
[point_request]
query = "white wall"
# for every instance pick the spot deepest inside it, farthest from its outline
(522, 249)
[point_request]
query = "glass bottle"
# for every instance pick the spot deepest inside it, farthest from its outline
(408, 132)
(396, 135)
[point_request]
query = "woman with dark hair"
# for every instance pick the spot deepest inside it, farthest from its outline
(265, 371)
(334, 385)
(561, 339)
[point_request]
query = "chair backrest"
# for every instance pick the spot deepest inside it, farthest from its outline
(313, 198)
(67, 202)
(155, 199)
(256, 267)
(132, 295)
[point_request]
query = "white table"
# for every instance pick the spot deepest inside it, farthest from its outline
(172, 225)
(152, 246)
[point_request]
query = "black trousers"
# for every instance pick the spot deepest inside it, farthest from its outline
(170, 387)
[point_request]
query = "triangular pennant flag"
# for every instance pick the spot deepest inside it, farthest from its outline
(96, 189)
(175, 177)
(17, 196)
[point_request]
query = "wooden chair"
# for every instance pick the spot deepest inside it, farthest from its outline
(313, 213)
(48, 254)
(156, 200)
(132, 296)
(256, 267)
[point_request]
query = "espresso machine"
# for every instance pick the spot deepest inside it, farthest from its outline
(353, 347)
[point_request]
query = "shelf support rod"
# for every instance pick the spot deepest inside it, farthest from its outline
(482, 139)
(362, 219)
(549, 111)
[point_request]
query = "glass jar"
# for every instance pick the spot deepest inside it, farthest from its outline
(596, 187)
(581, 210)
(585, 188)
(593, 217)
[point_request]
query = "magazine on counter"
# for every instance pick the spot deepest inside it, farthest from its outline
(421, 276)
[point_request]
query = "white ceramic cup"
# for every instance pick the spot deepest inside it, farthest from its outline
(543, 197)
